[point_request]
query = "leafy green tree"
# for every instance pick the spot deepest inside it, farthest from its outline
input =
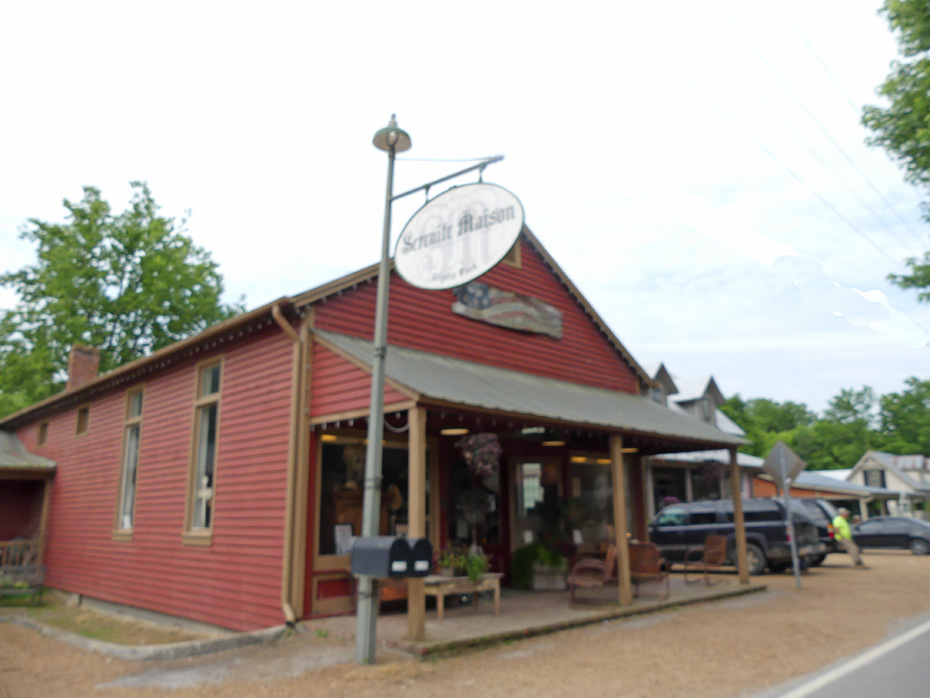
(844, 432)
(830, 445)
(837, 439)
(903, 127)
(852, 407)
(127, 283)
(905, 418)
(766, 421)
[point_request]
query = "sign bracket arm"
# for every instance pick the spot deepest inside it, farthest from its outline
(480, 166)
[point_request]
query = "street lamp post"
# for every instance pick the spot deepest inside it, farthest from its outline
(393, 140)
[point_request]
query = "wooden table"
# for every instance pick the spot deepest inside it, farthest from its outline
(438, 586)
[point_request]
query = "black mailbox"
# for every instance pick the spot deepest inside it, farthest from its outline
(381, 556)
(421, 557)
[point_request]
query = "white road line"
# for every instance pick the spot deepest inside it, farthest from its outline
(857, 662)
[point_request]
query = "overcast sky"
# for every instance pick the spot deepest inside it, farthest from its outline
(666, 154)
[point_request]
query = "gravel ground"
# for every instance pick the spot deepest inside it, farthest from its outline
(730, 648)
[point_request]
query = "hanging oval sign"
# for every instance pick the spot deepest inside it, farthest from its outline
(458, 236)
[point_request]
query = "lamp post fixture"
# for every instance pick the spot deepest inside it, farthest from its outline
(393, 140)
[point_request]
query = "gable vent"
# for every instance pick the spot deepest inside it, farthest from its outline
(512, 258)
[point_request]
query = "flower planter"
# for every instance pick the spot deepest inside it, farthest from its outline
(547, 578)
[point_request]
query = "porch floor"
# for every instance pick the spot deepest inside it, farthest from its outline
(524, 614)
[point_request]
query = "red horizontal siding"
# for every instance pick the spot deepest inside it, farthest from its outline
(424, 320)
(235, 583)
(341, 386)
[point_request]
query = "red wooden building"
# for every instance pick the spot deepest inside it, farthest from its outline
(220, 479)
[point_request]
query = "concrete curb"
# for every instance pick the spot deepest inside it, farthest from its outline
(144, 653)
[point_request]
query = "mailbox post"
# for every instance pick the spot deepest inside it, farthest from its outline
(390, 557)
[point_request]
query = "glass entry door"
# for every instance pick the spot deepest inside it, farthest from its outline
(537, 501)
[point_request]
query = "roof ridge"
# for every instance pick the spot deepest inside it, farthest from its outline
(370, 272)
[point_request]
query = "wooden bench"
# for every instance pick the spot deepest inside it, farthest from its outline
(439, 586)
(22, 579)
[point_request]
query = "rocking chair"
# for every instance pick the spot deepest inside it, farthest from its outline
(592, 573)
(647, 565)
(711, 556)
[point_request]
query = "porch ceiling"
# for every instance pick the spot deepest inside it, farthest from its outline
(14, 458)
(476, 385)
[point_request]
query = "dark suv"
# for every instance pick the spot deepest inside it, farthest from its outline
(680, 527)
(822, 513)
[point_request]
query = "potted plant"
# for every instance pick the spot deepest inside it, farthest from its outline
(455, 561)
(539, 567)
(448, 560)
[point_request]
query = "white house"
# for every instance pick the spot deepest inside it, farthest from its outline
(908, 475)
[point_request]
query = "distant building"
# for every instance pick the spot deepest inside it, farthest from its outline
(907, 475)
(694, 475)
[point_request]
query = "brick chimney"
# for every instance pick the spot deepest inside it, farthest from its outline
(83, 364)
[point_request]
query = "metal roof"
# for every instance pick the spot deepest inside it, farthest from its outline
(814, 478)
(14, 456)
(487, 387)
(726, 424)
(836, 474)
(743, 460)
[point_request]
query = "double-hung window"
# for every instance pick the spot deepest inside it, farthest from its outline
(200, 499)
(132, 435)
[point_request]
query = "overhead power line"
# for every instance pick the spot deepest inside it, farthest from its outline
(852, 226)
(857, 112)
(803, 106)
(810, 149)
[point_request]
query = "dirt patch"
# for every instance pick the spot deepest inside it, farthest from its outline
(730, 648)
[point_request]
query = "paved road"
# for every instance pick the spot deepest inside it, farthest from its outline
(898, 668)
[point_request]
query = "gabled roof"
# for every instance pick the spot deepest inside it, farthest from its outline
(889, 461)
(262, 317)
(370, 273)
(14, 456)
(443, 380)
(660, 374)
(690, 389)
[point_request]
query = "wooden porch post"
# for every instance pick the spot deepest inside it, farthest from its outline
(625, 587)
(43, 519)
(416, 506)
(738, 521)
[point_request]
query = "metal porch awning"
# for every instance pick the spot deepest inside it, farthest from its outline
(476, 385)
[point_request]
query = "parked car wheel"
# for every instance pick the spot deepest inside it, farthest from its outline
(755, 559)
(919, 547)
(817, 560)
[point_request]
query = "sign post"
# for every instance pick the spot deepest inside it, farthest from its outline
(393, 140)
(784, 466)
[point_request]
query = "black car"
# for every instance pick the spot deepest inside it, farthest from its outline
(681, 527)
(822, 513)
(893, 532)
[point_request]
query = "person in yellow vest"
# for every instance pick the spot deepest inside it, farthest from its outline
(843, 535)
